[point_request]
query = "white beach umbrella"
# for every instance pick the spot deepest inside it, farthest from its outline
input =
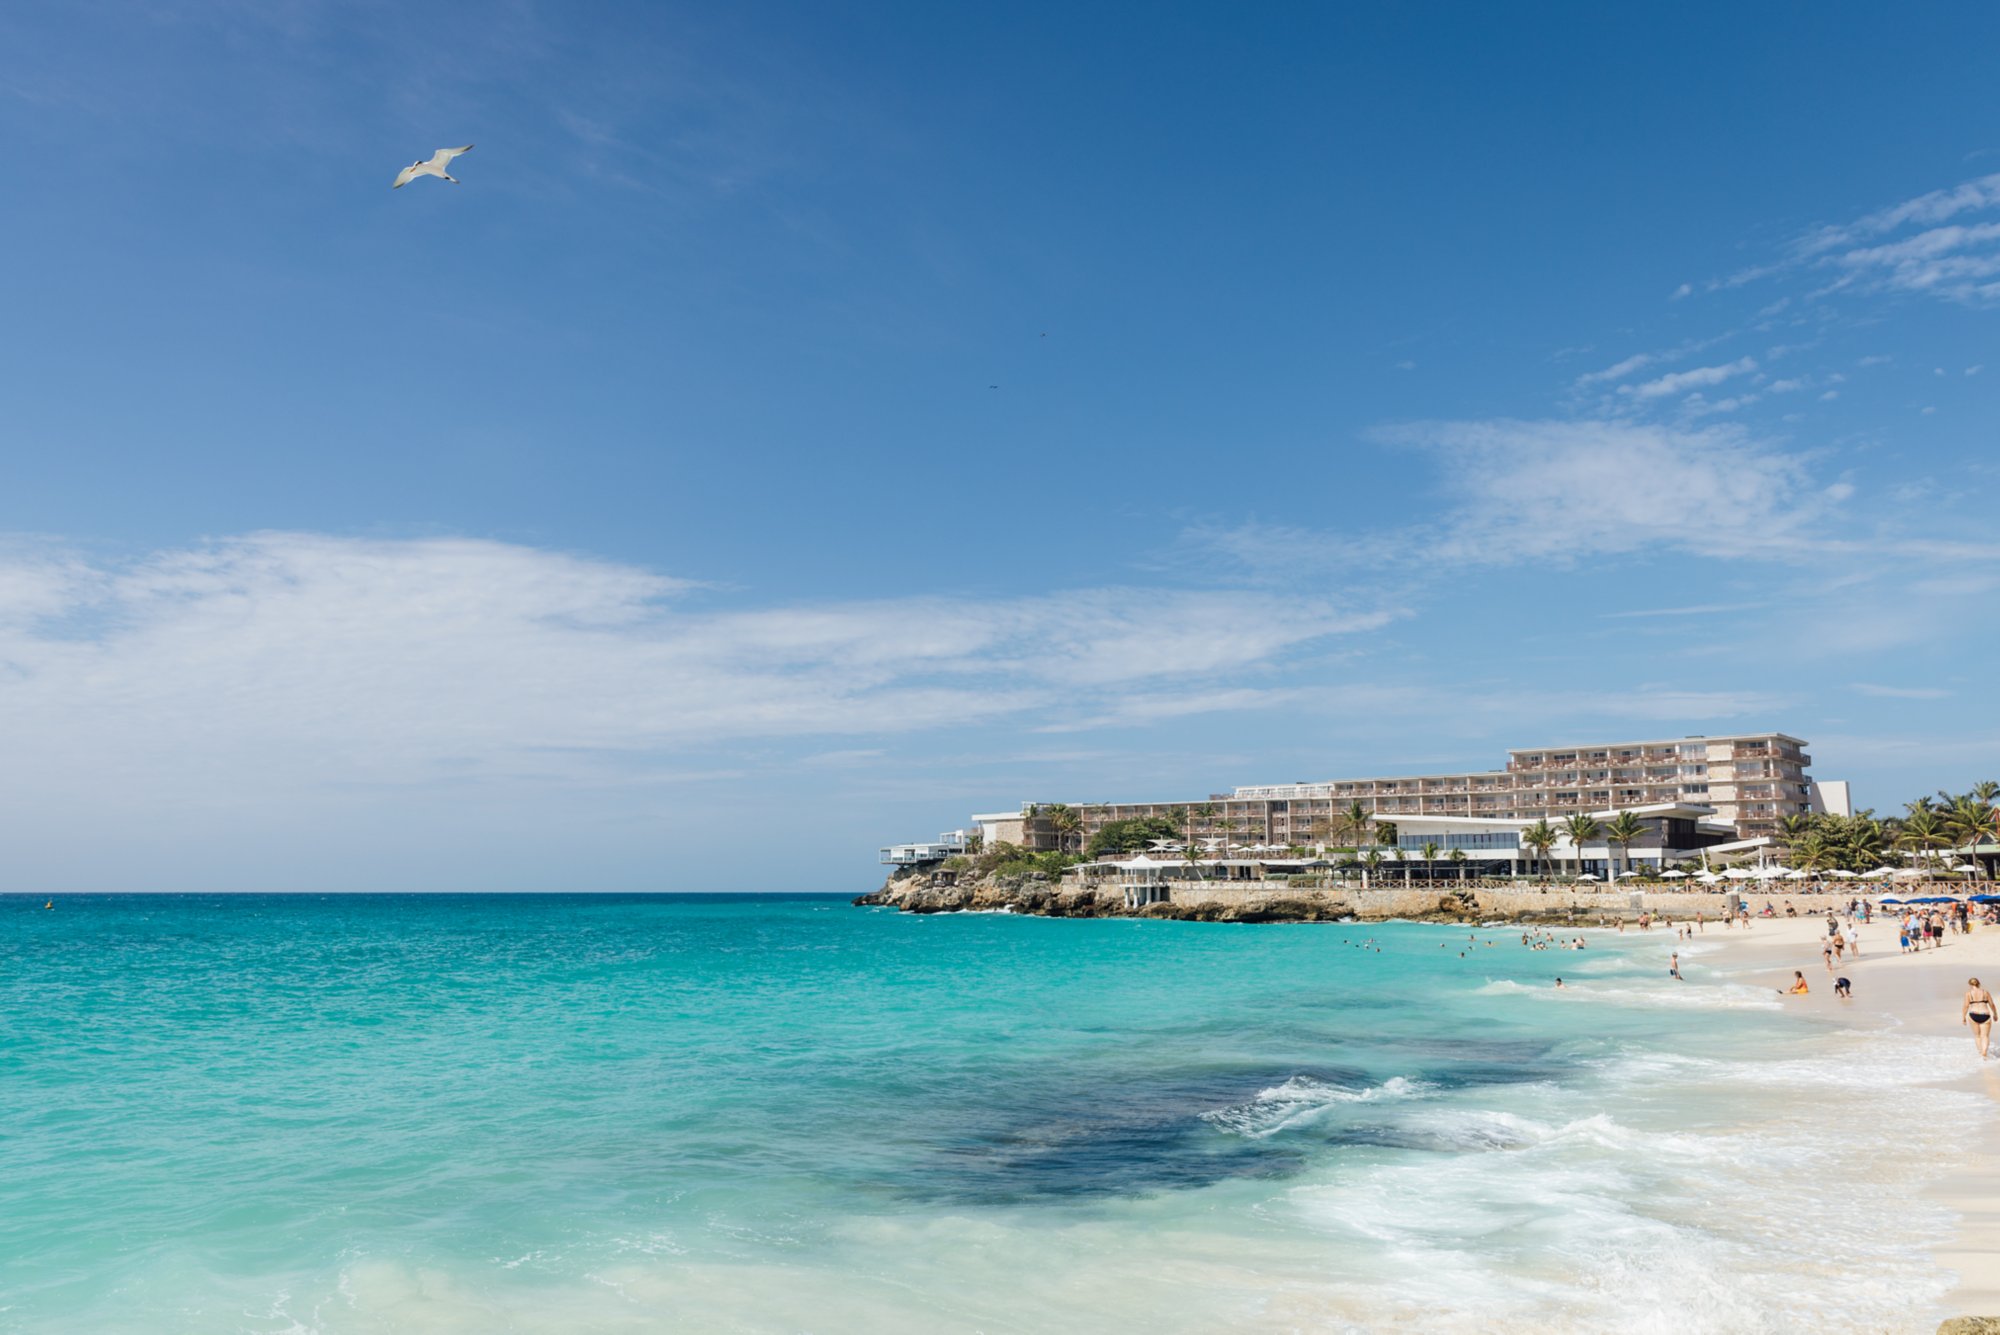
(1740, 874)
(1673, 875)
(1880, 873)
(1586, 877)
(1707, 877)
(1796, 875)
(1844, 874)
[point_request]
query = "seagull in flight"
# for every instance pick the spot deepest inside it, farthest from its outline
(435, 167)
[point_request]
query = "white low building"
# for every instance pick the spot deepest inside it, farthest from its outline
(949, 844)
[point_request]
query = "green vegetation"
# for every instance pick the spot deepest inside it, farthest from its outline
(1005, 859)
(1623, 829)
(1130, 836)
(1067, 822)
(1541, 836)
(1925, 832)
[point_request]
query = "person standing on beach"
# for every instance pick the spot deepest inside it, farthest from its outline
(1674, 968)
(1977, 1011)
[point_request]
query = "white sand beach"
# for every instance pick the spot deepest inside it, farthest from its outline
(1917, 994)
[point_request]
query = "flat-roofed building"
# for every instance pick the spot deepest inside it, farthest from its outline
(1752, 781)
(949, 844)
(1695, 792)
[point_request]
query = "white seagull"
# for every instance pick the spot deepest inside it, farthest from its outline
(435, 167)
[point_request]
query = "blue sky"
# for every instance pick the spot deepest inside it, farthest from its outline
(806, 425)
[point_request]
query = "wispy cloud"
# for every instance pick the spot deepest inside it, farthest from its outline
(1698, 378)
(1900, 692)
(305, 660)
(1619, 370)
(1557, 491)
(1934, 207)
(1695, 609)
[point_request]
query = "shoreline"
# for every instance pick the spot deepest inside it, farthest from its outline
(1555, 904)
(1916, 994)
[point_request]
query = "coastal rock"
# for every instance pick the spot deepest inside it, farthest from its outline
(1970, 1325)
(1275, 901)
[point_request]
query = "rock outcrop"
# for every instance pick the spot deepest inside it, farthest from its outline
(1034, 893)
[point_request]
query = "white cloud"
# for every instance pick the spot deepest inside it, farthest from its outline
(1698, 406)
(1900, 692)
(1683, 290)
(1619, 370)
(1925, 209)
(1697, 378)
(1543, 490)
(299, 661)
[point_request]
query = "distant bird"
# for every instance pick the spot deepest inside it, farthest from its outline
(435, 167)
(993, 387)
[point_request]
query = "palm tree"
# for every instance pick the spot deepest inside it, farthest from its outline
(1431, 851)
(1985, 791)
(1581, 829)
(1194, 853)
(1382, 834)
(1793, 828)
(1458, 856)
(1354, 821)
(1541, 836)
(1369, 862)
(1622, 831)
(1813, 853)
(1066, 820)
(1975, 823)
(1922, 830)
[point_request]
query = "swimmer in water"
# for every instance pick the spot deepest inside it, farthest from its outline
(1559, 982)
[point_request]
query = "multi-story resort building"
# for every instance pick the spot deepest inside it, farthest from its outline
(1718, 793)
(1749, 781)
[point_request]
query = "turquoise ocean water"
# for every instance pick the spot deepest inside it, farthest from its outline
(597, 1113)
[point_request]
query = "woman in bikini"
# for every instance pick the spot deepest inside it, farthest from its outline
(1978, 1012)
